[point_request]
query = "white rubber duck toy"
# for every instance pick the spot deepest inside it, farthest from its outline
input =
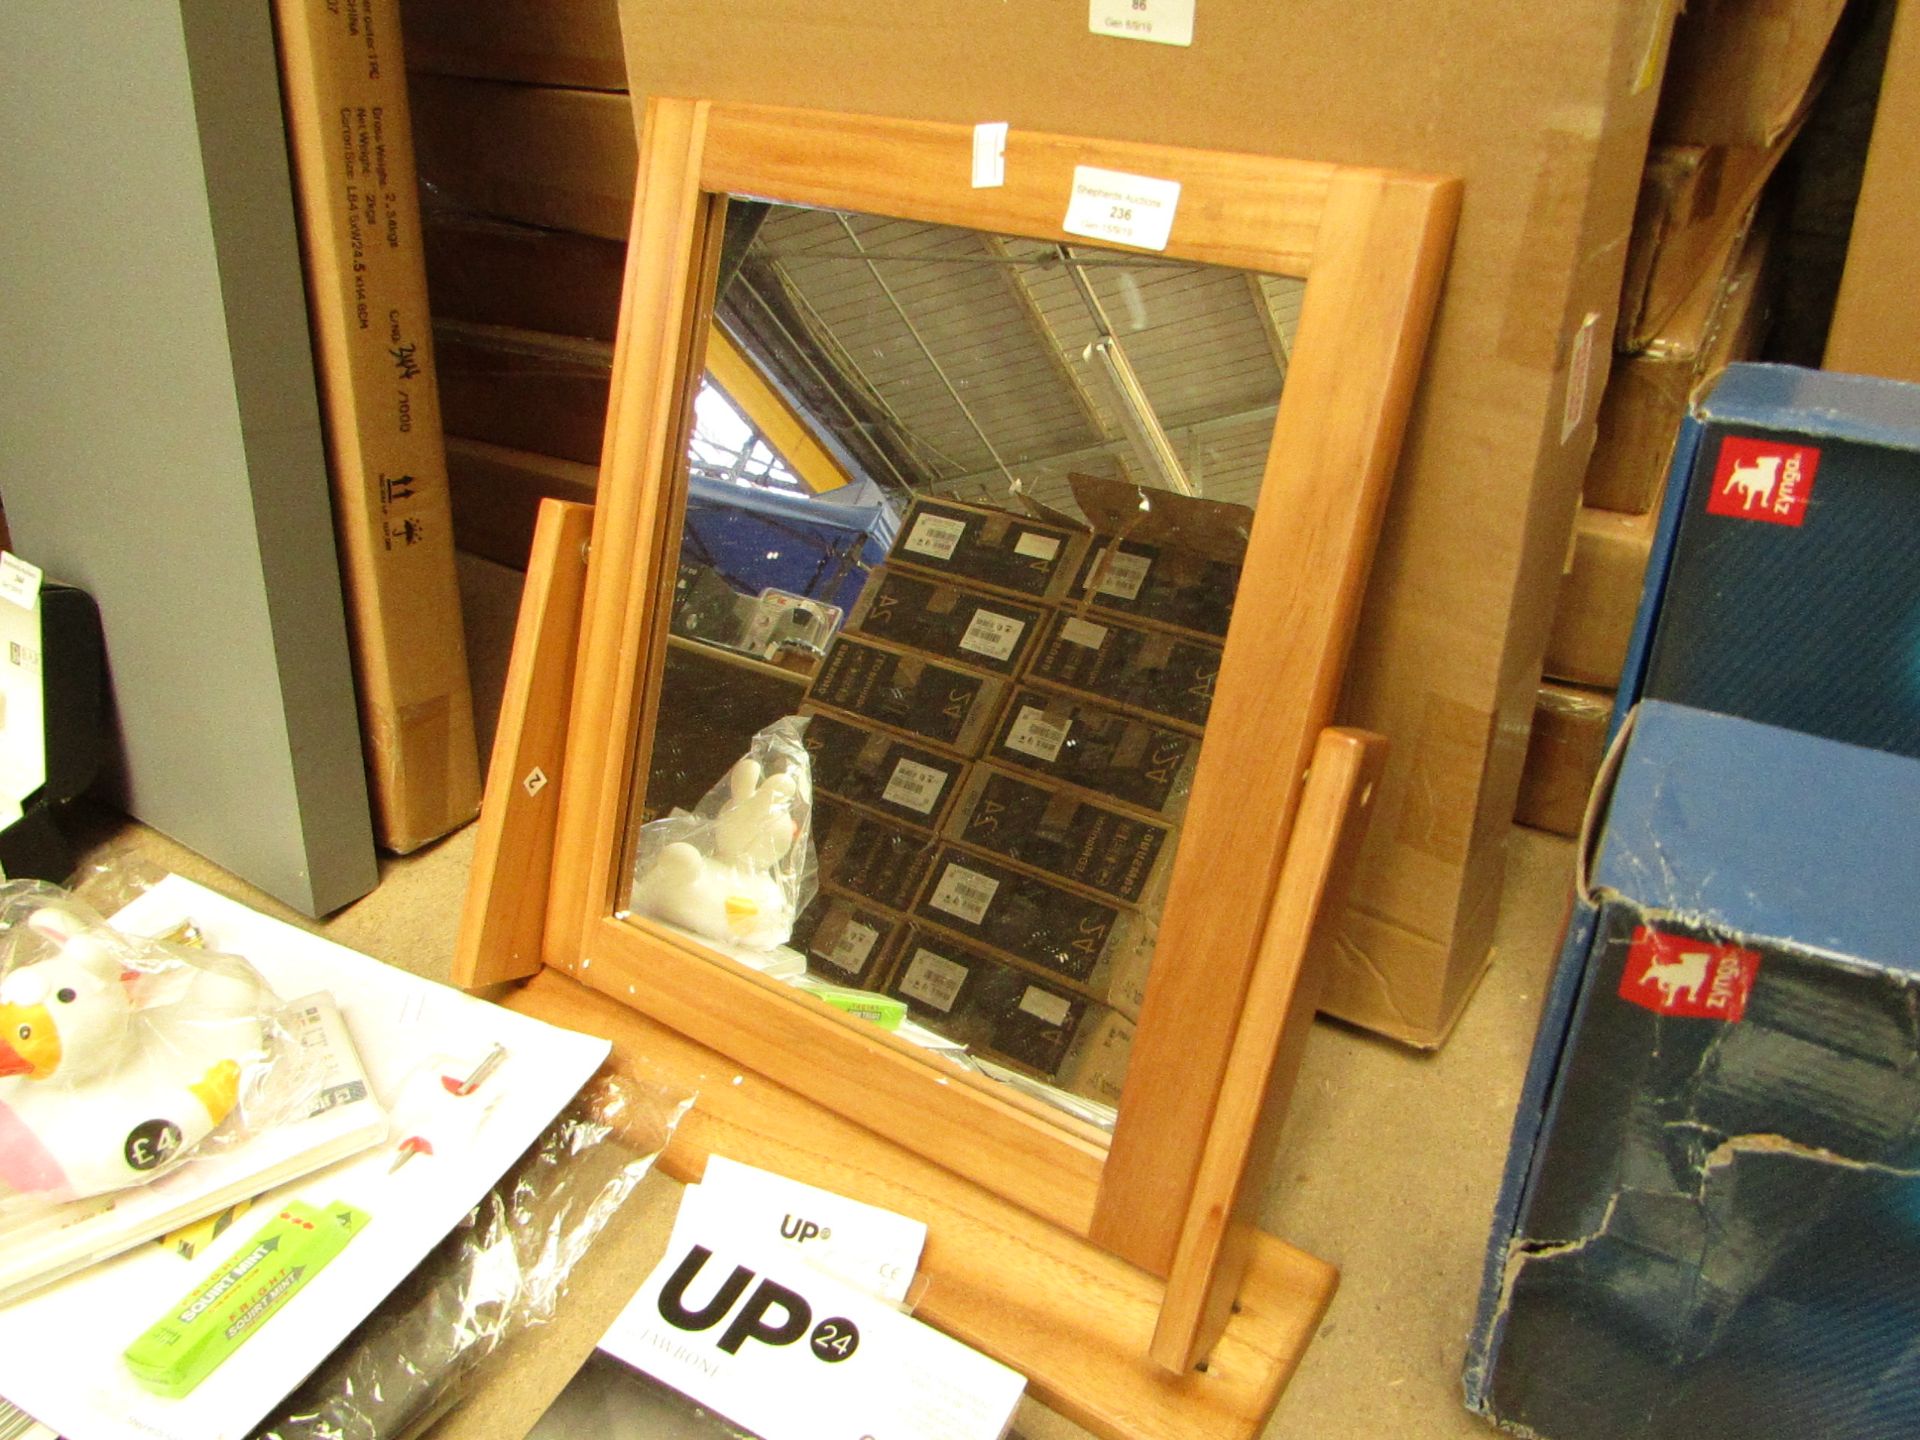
(108, 1074)
(732, 894)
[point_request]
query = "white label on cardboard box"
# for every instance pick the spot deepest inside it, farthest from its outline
(963, 892)
(1579, 376)
(1122, 575)
(989, 154)
(1046, 1006)
(1164, 22)
(933, 979)
(991, 634)
(752, 1332)
(1032, 733)
(1034, 546)
(1128, 209)
(854, 945)
(914, 786)
(1076, 631)
(935, 536)
(19, 580)
(862, 1244)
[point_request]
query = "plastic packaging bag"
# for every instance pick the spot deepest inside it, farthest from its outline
(504, 1269)
(122, 1057)
(739, 868)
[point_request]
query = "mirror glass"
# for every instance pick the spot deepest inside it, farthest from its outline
(963, 522)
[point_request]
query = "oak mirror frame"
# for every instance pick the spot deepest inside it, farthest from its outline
(1371, 246)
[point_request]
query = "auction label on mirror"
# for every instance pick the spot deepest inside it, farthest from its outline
(933, 979)
(1164, 22)
(937, 536)
(1033, 734)
(1111, 205)
(966, 893)
(914, 786)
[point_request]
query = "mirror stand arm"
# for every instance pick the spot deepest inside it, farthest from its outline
(1218, 1235)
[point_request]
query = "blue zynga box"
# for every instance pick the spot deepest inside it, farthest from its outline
(1784, 583)
(1709, 1225)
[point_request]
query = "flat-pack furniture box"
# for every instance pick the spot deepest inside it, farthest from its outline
(1783, 585)
(1546, 124)
(1708, 1226)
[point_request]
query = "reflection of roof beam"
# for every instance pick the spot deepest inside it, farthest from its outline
(1147, 436)
(1049, 341)
(966, 411)
(785, 429)
(1198, 430)
(1277, 302)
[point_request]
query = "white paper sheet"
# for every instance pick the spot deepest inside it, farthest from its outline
(60, 1350)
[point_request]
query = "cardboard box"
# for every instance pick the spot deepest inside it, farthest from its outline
(1163, 584)
(345, 86)
(1740, 72)
(910, 692)
(1594, 617)
(1164, 676)
(552, 42)
(1547, 125)
(525, 390)
(1096, 1065)
(563, 159)
(496, 272)
(1876, 318)
(970, 996)
(1569, 739)
(718, 701)
(1098, 947)
(1695, 201)
(992, 549)
(1723, 320)
(1784, 586)
(862, 855)
(1114, 758)
(1065, 836)
(848, 940)
(497, 493)
(1706, 1226)
(986, 632)
(881, 772)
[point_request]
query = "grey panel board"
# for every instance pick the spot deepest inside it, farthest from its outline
(160, 438)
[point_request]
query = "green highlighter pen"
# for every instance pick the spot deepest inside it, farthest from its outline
(225, 1310)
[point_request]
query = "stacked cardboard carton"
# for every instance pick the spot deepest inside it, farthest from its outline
(1002, 740)
(1695, 297)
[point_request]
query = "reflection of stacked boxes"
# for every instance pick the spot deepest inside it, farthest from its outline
(1024, 702)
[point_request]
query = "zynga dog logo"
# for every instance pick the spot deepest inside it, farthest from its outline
(1678, 975)
(1763, 480)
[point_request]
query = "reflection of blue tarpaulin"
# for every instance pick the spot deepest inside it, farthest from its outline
(756, 540)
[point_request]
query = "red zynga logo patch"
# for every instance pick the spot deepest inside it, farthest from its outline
(1766, 480)
(1679, 975)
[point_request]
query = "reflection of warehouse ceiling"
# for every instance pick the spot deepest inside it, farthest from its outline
(943, 359)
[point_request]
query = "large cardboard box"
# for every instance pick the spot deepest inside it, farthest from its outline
(1707, 1227)
(1783, 584)
(1546, 120)
(1876, 319)
(1725, 319)
(346, 93)
(1741, 71)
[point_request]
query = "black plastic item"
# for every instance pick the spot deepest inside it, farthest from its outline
(74, 687)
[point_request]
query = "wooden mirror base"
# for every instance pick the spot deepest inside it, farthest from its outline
(1077, 1321)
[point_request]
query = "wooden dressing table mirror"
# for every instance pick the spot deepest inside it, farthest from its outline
(1108, 1253)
